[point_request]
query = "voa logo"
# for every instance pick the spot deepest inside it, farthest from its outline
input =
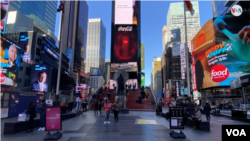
(236, 10)
(236, 132)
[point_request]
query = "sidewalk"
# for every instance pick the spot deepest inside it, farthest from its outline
(135, 126)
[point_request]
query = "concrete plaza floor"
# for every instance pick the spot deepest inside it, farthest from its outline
(88, 127)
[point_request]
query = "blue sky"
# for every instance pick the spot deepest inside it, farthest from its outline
(153, 17)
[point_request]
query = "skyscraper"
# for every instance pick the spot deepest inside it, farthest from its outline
(156, 75)
(175, 20)
(74, 35)
(218, 7)
(44, 12)
(96, 45)
(107, 70)
(164, 38)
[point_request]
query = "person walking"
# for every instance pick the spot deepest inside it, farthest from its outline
(116, 108)
(42, 108)
(143, 93)
(84, 106)
(109, 94)
(207, 110)
(140, 100)
(107, 107)
(78, 104)
(100, 106)
(96, 108)
(70, 105)
(94, 98)
(32, 111)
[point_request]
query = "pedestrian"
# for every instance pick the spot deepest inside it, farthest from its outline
(84, 106)
(207, 110)
(42, 108)
(133, 88)
(147, 94)
(70, 105)
(100, 106)
(109, 94)
(100, 91)
(107, 107)
(78, 104)
(116, 108)
(140, 100)
(143, 93)
(94, 98)
(32, 111)
(197, 118)
(96, 108)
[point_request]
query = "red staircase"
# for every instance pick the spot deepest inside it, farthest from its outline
(104, 94)
(146, 103)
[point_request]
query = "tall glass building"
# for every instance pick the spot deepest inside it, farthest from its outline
(218, 7)
(175, 20)
(44, 12)
(96, 45)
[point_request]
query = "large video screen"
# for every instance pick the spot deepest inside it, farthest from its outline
(80, 87)
(26, 41)
(10, 62)
(128, 67)
(124, 46)
(126, 12)
(95, 71)
(40, 77)
(4, 11)
(221, 51)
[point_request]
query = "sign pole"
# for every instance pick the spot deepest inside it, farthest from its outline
(187, 56)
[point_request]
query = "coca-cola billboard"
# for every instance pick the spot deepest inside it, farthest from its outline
(127, 28)
(124, 47)
(219, 73)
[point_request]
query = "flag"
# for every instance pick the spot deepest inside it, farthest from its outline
(61, 7)
(189, 7)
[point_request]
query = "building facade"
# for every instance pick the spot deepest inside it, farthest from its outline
(156, 68)
(74, 35)
(175, 20)
(96, 45)
(96, 82)
(218, 7)
(164, 38)
(107, 71)
(43, 12)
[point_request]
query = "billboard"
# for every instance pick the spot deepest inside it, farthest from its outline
(173, 36)
(183, 60)
(132, 82)
(95, 71)
(39, 79)
(142, 56)
(26, 41)
(4, 11)
(176, 50)
(80, 87)
(69, 54)
(113, 84)
(124, 46)
(126, 12)
(53, 118)
(10, 62)
(142, 79)
(128, 67)
(220, 55)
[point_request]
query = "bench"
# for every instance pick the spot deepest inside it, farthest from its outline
(15, 127)
(204, 125)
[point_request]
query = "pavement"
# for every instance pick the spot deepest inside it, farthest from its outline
(135, 126)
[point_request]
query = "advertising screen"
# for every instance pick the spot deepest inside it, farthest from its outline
(124, 46)
(142, 56)
(129, 67)
(26, 40)
(53, 118)
(143, 79)
(173, 36)
(176, 50)
(10, 62)
(95, 71)
(80, 87)
(220, 55)
(69, 54)
(4, 11)
(113, 84)
(132, 82)
(39, 79)
(126, 12)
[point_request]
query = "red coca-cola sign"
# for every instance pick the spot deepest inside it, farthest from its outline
(219, 73)
(2, 77)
